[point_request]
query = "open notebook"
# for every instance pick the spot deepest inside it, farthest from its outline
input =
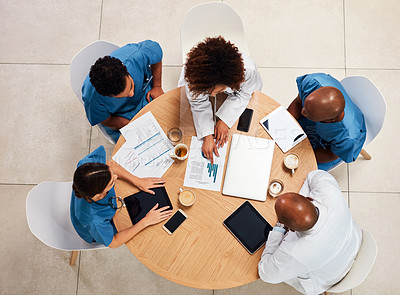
(249, 166)
(283, 128)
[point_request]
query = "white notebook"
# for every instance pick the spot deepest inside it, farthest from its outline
(249, 166)
(283, 128)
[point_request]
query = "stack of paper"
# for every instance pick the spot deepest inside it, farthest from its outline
(146, 150)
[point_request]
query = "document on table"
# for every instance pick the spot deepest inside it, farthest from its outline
(146, 150)
(283, 128)
(199, 171)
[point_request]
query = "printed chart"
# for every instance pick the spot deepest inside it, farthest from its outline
(146, 150)
(199, 171)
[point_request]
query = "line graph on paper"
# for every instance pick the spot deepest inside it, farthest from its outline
(146, 150)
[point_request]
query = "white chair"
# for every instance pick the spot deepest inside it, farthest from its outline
(48, 215)
(80, 67)
(361, 267)
(367, 97)
(211, 20)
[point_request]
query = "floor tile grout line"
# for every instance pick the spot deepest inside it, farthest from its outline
(344, 38)
(90, 139)
(18, 184)
(101, 18)
(34, 63)
(259, 67)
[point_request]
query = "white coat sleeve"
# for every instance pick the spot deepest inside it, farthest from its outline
(235, 104)
(201, 109)
(277, 265)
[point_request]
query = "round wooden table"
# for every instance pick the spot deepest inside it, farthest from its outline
(202, 253)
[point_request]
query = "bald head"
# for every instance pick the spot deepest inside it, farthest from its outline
(296, 212)
(324, 104)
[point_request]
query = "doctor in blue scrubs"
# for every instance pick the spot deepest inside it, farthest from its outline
(121, 84)
(333, 123)
(93, 201)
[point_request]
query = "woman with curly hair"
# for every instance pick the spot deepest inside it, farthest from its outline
(215, 66)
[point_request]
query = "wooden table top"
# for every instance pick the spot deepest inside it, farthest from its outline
(202, 253)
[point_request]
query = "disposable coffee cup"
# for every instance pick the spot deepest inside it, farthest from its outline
(291, 161)
(187, 197)
(180, 152)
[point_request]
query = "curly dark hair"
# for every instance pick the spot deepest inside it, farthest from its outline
(108, 76)
(213, 62)
(90, 179)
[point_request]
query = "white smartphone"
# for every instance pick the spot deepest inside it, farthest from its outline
(175, 221)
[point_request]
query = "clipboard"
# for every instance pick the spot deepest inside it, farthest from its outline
(283, 128)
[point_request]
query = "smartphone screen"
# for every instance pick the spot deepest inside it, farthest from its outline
(175, 221)
(244, 120)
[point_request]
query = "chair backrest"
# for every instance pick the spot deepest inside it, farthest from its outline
(80, 67)
(369, 100)
(84, 59)
(361, 267)
(48, 216)
(211, 20)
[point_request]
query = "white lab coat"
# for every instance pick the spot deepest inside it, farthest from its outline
(314, 260)
(232, 107)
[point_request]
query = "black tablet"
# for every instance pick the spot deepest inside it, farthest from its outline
(140, 203)
(249, 227)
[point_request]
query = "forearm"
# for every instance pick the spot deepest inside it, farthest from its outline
(156, 69)
(115, 122)
(127, 234)
(124, 174)
(324, 155)
(295, 108)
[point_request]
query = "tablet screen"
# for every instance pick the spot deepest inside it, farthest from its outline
(248, 226)
(141, 203)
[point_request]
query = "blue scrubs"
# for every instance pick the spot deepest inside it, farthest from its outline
(137, 58)
(345, 138)
(93, 222)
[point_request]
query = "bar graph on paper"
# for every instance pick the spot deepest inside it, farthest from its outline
(200, 173)
(212, 171)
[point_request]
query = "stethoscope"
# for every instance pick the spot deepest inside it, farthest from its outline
(110, 203)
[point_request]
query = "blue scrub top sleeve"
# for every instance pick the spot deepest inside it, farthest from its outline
(306, 85)
(345, 150)
(151, 52)
(102, 232)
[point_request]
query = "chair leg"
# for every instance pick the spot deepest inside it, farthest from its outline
(365, 155)
(74, 255)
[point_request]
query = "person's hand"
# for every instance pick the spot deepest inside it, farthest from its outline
(154, 93)
(155, 215)
(209, 147)
(145, 184)
(221, 132)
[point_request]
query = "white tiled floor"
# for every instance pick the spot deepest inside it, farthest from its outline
(45, 132)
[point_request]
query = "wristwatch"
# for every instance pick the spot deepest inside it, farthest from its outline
(280, 224)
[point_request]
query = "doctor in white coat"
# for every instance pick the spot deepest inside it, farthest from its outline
(215, 66)
(322, 242)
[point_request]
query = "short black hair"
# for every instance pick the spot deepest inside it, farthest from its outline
(213, 62)
(108, 76)
(90, 179)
